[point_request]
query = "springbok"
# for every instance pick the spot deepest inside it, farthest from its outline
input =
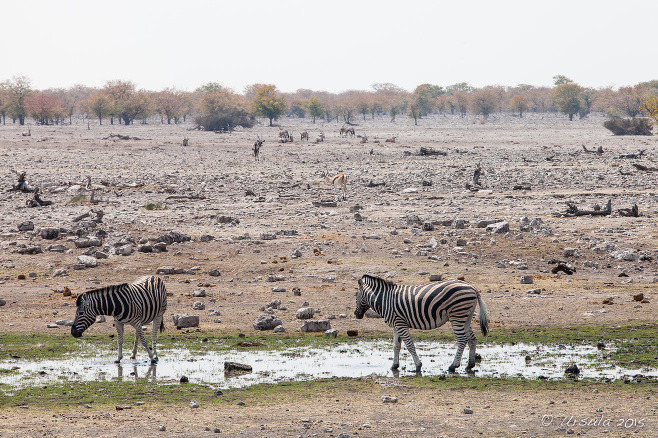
(284, 136)
(304, 136)
(338, 180)
(257, 145)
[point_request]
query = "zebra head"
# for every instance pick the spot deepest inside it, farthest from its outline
(361, 301)
(84, 317)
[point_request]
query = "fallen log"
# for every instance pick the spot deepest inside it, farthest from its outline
(634, 211)
(598, 150)
(645, 168)
(573, 211)
(431, 151)
(121, 137)
(638, 154)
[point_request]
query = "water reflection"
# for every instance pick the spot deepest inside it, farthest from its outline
(150, 374)
(350, 359)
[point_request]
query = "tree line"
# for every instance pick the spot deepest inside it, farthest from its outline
(218, 108)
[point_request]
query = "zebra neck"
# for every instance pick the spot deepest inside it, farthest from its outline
(106, 302)
(376, 300)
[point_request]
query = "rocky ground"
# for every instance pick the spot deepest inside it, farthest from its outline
(208, 216)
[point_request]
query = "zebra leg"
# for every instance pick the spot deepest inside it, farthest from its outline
(403, 332)
(139, 333)
(119, 326)
(471, 348)
(461, 343)
(157, 321)
(397, 345)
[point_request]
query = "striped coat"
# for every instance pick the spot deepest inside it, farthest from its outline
(423, 307)
(138, 303)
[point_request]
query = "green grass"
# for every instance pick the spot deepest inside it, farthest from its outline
(155, 206)
(128, 392)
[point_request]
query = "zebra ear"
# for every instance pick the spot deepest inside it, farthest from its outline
(78, 301)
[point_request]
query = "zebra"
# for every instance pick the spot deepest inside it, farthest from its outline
(423, 307)
(141, 302)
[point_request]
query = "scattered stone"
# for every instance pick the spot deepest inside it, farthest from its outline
(87, 261)
(305, 313)
(498, 228)
(468, 411)
(26, 226)
(214, 273)
(194, 404)
(534, 291)
(2, 302)
(388, 399)
(198, 305)
(572, 369)
(235, 366)
(638, 297)
(372, 314)
(185, 321)
(352, 333)
(266, 322)
(279, 329)
(331, 333)
(49, 233)
(184, 379)
(527, 279)
(206, 238)
(316, 326)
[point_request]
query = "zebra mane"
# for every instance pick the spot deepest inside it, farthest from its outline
(104, 289)
(380, 280)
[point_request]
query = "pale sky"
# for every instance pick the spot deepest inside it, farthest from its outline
(333, 45)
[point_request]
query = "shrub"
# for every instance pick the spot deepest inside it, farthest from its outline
(155, 206)
(224, 121)
(629, 126)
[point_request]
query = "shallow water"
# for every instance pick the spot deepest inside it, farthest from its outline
(355, 359)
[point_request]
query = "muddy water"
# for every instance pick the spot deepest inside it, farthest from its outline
(305, 363)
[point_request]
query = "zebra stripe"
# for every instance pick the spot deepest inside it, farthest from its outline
(424, 307)
(139, 303)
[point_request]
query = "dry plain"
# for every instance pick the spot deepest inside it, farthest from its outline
(251, 220)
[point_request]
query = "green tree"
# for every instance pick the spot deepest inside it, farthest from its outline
(425, 98)
(519, 103)
(568, 98)
(99, 104)
(484, 101)
(222, 110)
(315, 107)
(16, 91)
(561, 80)
(268, 103)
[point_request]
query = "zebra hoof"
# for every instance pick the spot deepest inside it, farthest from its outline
(418, 368)
(395, 366)
(452, 368)
(154, 360)
(118, 361)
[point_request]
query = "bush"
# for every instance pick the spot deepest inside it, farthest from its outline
(629, 126)
(155, 206)
(225, 121)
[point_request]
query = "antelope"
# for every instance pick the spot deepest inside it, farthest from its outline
(390, 140)
(347, 130)
(364, 139)
(320, 138)
(284, 136)
(28, 133)
(257, 145)
(338, 180)
(304, 136)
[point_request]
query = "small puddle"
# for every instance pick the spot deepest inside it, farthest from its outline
(355, 359)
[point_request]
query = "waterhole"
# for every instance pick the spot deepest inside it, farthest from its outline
(355, 359)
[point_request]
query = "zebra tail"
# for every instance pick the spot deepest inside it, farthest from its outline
(162, 327)
(484, 317)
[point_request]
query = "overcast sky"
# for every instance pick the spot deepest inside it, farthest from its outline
(333, 45)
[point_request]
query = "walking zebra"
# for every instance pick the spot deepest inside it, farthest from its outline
(141, 302)
(423, 307)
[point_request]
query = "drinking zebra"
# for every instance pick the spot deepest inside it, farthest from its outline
(423, 307)
(141, 302)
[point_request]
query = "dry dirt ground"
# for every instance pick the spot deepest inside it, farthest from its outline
(256, 216)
